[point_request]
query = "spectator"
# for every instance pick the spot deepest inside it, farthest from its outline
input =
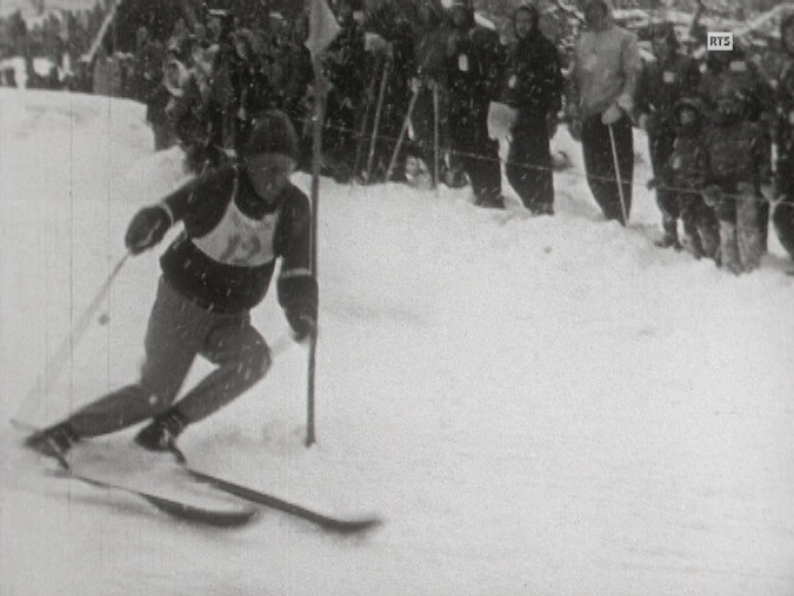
(474, 65)
(783, 216)
(686, 171)
(662, 83)
(345, 68)
(430, 41)
(603, 80)
(534, 89)
(736, 157)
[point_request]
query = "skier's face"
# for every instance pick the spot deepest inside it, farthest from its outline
(269, 173)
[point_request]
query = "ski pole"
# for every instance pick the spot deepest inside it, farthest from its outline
(363, 128)
(403, 130)
(376, 124)
(617, 176)
(46, 381)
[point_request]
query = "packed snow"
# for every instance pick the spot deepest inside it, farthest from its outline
(540, 406)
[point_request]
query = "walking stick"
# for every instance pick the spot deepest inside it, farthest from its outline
(403, 130)
(363, 126)
(617, 176)
(376, 124)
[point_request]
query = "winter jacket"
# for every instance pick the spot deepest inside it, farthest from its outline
(224, 259)
(534, 79)
(606, 66)
(732, 75)
(661, 84)
(688, 166)
(474, 66)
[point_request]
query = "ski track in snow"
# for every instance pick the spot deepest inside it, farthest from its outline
(540, 406)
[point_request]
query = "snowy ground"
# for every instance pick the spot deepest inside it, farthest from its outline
(535, 406)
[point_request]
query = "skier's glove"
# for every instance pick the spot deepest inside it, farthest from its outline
(147, 228)
(303, 326)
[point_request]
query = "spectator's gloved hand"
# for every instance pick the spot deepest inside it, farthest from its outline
(711, 195)
(303, 326)
(551, 124)
(575, 129)
(147, 228)
(611, 115)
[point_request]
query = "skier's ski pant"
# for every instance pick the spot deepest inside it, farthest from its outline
(177, 332)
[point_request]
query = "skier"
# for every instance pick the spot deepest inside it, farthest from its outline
(238, 219)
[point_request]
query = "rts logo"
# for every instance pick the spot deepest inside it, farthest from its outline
(718, 41)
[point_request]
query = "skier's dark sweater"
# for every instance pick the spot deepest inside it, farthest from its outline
(225, 257)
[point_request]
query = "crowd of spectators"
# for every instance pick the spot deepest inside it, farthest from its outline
(412, 89)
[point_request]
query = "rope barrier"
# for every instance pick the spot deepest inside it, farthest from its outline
(427, 145)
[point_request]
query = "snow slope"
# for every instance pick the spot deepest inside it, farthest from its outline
(539, 406)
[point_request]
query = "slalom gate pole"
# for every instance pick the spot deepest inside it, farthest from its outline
(403, 130)
(617, 176)
(317, 145)
(435, 137)
(376, 124)
(46, 381)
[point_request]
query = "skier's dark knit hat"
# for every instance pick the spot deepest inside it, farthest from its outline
(273, 133)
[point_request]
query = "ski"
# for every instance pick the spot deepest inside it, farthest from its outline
(328, 523)
(230, 515)
(180, 510)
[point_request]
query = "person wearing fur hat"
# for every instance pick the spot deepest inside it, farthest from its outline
(661, 85)
(602, 84)
(238, 220)
(534, 89)
(783, 216)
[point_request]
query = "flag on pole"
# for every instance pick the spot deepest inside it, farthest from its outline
(323, 27)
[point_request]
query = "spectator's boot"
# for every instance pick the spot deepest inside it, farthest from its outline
(729, 249)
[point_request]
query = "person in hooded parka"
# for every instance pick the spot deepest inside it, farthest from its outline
(534, 89)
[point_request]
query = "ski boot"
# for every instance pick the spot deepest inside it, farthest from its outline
(54, 442)
(161, 434)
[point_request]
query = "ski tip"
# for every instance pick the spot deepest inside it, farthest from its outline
(353, 527)
(200, 516)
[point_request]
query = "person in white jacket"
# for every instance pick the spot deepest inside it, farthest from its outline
(600, 99)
